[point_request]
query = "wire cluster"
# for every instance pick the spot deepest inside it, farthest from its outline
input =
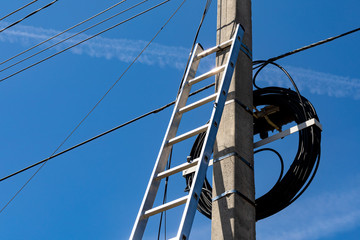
(306, 162)
(301, 172)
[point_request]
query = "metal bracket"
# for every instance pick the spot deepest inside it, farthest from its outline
(266, 111)
(260, 143)
(287, 132)
(231, 192)
(212, 161)
(237, 155)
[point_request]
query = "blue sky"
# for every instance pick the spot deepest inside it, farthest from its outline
(94, 192)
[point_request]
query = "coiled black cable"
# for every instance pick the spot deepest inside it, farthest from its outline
(306, 162)
(301, 172)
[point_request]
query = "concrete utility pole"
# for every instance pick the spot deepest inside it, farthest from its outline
(233, 214)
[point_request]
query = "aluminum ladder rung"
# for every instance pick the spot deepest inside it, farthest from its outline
(207, 75)
(177, 169)
(189, 134)
(217, 48)
(190, 202)
(198, 103)
(165, 206)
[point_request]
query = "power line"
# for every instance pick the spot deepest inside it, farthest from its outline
(87, 115)
(26, 5)
(74, 35)
(168, 105)
(102, 134)
(29, 15)
(44, 161)
(206, 9)
(91, 37)
(311, 45)
(163, 214)
(76, 25)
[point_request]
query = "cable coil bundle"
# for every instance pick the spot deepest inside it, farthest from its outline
(301, 172)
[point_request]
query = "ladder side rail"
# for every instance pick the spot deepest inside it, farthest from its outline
(160, 164)
(200, 173)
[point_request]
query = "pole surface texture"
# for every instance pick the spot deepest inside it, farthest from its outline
(233, 215)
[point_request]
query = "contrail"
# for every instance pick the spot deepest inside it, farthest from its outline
(160, 55)
(312, 81)
(122, 49)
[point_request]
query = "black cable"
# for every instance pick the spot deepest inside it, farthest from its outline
(74, 35)
(102, 134)
(314, 133)
(290, 187)
(312, 45)
(205, 201)
(26, 5)
(168, 165)
(263, 64)
(204, 205)
(60, 33)
(29, 15)
(306, 163)
(308, 108)
(45, 161)
(207, 6)
(91, 37)
(280, 158)
(301, 172)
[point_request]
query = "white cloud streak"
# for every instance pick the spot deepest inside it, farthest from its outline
(312, 81)
(125, 50)
(315, 218)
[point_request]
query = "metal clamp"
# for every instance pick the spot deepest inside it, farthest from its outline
(246, 108)
(246, 50)
(236, 192)
(237, 155)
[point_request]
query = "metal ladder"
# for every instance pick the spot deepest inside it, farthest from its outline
(191, 200)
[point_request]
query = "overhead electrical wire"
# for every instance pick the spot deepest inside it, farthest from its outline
(66, 30)
(87, 115)
(206, 9)
(74, 35)
(149, 113)
(313, 45)
(13, 12)
(293, 184)
(163, 214)
(82, 41)
(102, 134)
(263, 63)
(29, 15)
(152, 112)
(255, 62)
